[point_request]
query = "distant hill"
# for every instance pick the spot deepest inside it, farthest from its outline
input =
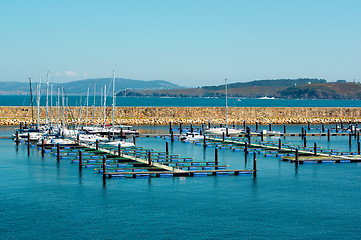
(338, 90)
(253, 89)
(80, 87)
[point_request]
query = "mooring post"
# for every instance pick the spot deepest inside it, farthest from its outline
(97, 144)
(227, 134)
(284, 128)
(149, 158)
(256, 126)
(121, 131)
(249, 138)
(21, 125)
(341, 124)
(166, 149)
(216, 157)
(349, 139)
(323, 127)
(255, 162)
(302, 132)
(315, 148)
(246, 148)
(80, 159)
(296, 155)
(209, 125)
(358, 136)
(119, 150)
(104, 165)
(328, 134)
(170, 126)
(17, 137)
(171, 136)
(200, 132)
(234, 126)
(134, 142)
(42, 147)
(304, 141)
(358, 147)
(223, 136)
(336, 128)
(28, 143)
(58, 151)
(202, 126)
(180, 128)
(279, 144)
(270, 127)
(204, 141)
(191, 128)
(244, 124)
(308, 125)
(78, 138)
(26, 125)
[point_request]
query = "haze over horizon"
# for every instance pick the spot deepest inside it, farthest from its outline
(189, 43)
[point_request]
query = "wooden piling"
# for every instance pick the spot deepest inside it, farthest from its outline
(28, 143)
(80, 159)
(57, 151)
(166, 149)
(358, 136)
(223, 136)
(279, 144)
(227, 132)
(315, 148)
(256, 126)
(342, 125)
(304, 141)
(296, 155)
(328, 134)
(150, 158)
(104, 165)
(216, 157)
(284, 128)
(134, 142)
(244, 124)
(171, 136)
(323, 127)
(302, 132)
(209, 125)
(308, 125)
(21, 125)
(42, 147)
(17, 137)
(180, 128)
(336, 128)
(119, 150)
(170, 126)
(204, 142)
(255, 162)
(121, 131)
(246, 148)
(349, 139)
(270, 127)
(191, 128)
(97, 144)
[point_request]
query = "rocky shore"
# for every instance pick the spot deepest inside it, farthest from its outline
(187, 115)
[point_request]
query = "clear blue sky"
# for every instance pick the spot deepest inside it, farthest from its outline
(187, 42)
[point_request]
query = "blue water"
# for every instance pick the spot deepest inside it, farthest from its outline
(42, 199)
(184, 102)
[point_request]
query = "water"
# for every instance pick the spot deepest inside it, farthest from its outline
(184, 102)
(40, 198)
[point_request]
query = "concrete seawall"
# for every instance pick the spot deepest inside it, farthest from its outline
(195, 115)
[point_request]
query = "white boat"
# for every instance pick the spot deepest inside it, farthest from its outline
(116, 143)
(220, 131)
(92, 138)
(61, 141)
(267, 97)
(192, 136)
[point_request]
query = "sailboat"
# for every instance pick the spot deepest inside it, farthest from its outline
(221, 130)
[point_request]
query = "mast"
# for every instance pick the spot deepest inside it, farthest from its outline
(58, 107)
(101, 104)
(94, 106)
(38, 102)
(47, 98)
(113, 100)
(51, 103)
(31, 103)
(105, 103)
(87, 105)
(226, 104)
(63, 101)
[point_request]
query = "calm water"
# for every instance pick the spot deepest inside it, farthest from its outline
(184, 102)
(40, 198)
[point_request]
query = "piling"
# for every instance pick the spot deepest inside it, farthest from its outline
(42, 147)
(302, 132)
(134, 142)
(358, 147)
(349, 139)
(358, 136)
(204, 142)
(171, 136)
(227, 132)
(21, 125)
(202, 126)
(28, 143)
(249, 138)
(296, 155)
(104, 165)
(328, 134)
(256, 126)
(97, 144)
(323, 127)
(180, 127)
(315, 148)
(216, 157)
(57, 151)
(244, 124)
(166, 149)
(149, 158)
(17, 137)
(284, 128)
(191, 128)
(170, 126)
(336, 128)
(246, 148)
(26, 125)
(209, 125)
(304, 141)
(121, 131)
(279, 144)
(342, 125)
(262, 136)
(308, 125)
(255, 161)
(119, 150)
(270, 127)
(78, 138)
(223, 136)
(220, 125)
(234, 126)
(80, 159)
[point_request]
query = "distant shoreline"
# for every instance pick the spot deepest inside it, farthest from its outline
(195, 115)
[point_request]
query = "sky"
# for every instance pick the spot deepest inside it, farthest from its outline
(187, 42)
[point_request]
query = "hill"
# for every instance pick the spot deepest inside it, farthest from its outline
(80, 87)
(339, 90)
(253, 89)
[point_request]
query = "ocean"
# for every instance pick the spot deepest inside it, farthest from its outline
(11, 100)
(42, 199)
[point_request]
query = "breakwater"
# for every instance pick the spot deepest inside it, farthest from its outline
(187, 115)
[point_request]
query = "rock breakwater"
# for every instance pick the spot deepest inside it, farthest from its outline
(187, 115)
